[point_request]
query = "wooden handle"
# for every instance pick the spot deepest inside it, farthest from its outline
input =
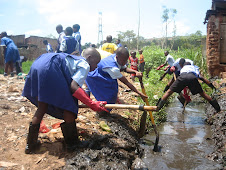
(125, 106)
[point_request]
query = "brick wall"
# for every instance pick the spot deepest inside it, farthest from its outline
(213, 47)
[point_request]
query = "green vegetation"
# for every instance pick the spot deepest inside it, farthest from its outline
(26, 66)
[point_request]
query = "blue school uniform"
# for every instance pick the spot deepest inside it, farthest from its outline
(11, 52)
(49, 81)
(100, 83)
(68, 45)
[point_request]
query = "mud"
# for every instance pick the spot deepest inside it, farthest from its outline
(218, 122)
(116, 150)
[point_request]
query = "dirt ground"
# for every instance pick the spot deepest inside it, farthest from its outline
(16, 113)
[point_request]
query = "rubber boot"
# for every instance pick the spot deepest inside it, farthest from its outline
(215, 104)
(32, 139)
(160, 104)
(70, 134)
(181, 99)
(166, 88)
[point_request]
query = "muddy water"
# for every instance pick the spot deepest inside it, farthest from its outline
(184, 138)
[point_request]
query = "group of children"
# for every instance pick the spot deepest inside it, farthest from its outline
(135, 62)
(186, 76)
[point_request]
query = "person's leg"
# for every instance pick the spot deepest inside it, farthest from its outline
(32, 138)
(11, 67)
(162, 76)
(70, 133)
(162, 100)
(42, 108)
(213, 102)
(6, 69)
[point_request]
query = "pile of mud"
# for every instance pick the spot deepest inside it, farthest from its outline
(218, 122)
(116, 150)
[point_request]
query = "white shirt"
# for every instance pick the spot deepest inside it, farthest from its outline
(78, 69)
(77, 36)
(190, 69)
(170, 60)
(114, 72)
(61, 37)
(176, 63)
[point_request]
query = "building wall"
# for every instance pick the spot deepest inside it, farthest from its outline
(31, 47)
(213, 46)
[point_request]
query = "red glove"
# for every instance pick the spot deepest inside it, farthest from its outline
(84, 98)
(172, 69)
(166, 68)
(160, 67)
(186, 96)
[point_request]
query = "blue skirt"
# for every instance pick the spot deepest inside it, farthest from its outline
(49, 81)
(11, 54)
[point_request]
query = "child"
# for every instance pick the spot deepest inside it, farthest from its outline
(189, 75)
(76, 34)
(19, 64)
(141, 61)
(170, 61)
(60, 31)
(133, 64)
(49, 48)
(11, 53)
(102, 82)
(69, 43)
(54, 86)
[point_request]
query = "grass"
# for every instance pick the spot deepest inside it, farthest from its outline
(26, 66)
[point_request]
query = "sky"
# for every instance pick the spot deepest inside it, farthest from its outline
(40, 17)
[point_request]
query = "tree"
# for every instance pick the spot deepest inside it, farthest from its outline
(166, 20)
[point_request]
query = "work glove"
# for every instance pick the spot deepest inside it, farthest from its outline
(97, 106)
(160, 67)
(166, 68)
(172, 69)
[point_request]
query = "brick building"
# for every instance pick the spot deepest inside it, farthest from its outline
(31, 47)
(216, 38)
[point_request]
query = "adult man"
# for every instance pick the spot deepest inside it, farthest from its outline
(76, 34)
(59, 29)
(109, 46)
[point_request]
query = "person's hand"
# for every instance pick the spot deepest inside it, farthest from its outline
(160, 67)
(166, 68)
(98, 106)
(172, 69)
(143, 96)
(139, 74)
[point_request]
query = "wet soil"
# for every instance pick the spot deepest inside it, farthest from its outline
(118, 149)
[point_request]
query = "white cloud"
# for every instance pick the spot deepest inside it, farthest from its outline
(36, 32)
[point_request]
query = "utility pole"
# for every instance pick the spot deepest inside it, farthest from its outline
(100, 33)
(138, 33)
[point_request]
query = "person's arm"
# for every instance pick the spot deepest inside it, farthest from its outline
(128, 84)
(131, 71)
(81, 95)
(206, 81)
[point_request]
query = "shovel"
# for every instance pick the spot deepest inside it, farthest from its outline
(156, 147)
(125, 106)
